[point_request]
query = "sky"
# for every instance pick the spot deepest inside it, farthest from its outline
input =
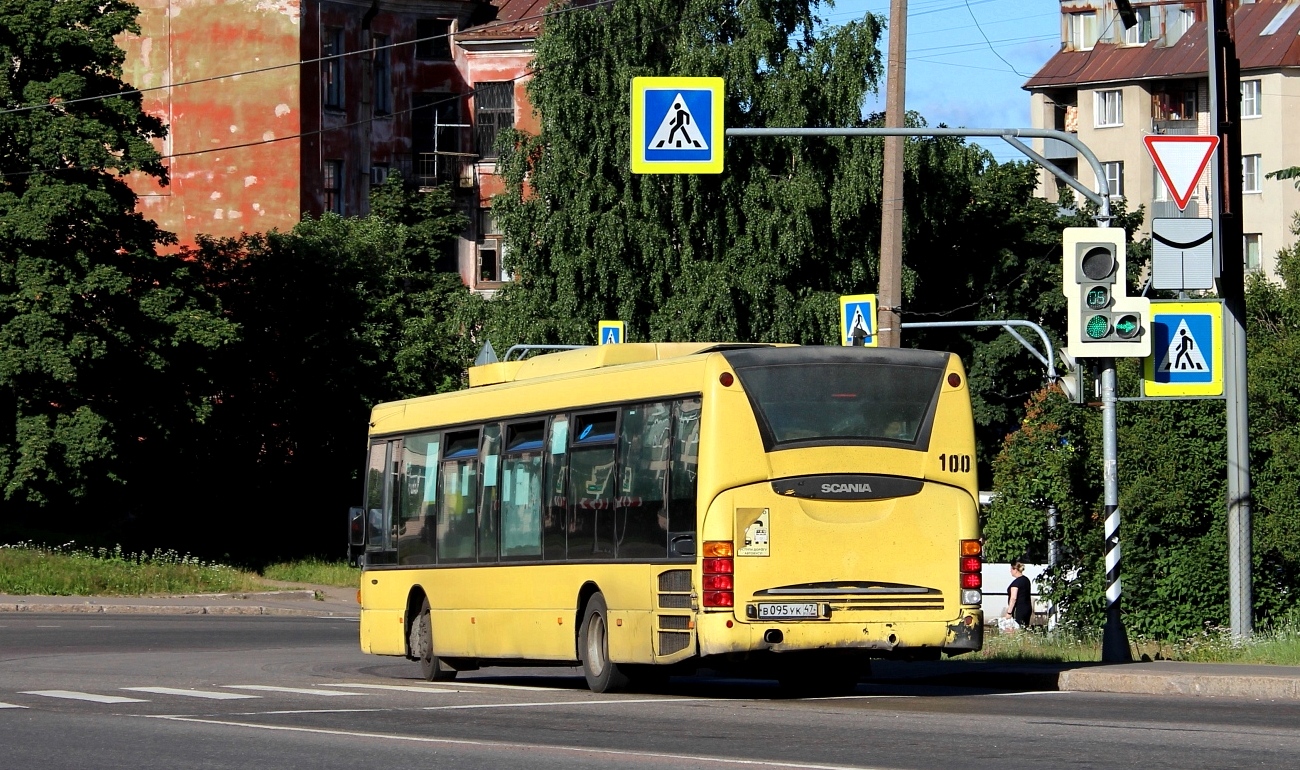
(957, 78)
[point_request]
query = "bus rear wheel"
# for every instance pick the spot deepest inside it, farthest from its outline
(431, 667)
(603, 675)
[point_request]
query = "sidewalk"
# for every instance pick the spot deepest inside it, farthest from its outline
(300, 600)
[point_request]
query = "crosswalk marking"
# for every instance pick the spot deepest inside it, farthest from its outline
(295, 690)
(90, 696)
(394, 687)
(10, 706)
(192, 693)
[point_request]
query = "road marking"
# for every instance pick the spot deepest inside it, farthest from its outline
(90, 696)
(192, 693)
(10, 706)
(488, 686)
(560, 703)
(1032, 692)
(394, 687)
(679, 759)
(49, 626)
(294, 690)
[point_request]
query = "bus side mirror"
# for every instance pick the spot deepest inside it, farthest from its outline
(356, 526)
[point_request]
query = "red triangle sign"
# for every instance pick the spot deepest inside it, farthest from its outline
(1180, 161)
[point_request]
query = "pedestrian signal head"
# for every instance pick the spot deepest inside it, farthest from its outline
(1102, 320)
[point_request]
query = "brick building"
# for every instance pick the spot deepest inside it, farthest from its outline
(336, 96)
(1113, 86)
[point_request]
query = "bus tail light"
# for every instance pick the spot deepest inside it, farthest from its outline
(718, 567)
(972, 564)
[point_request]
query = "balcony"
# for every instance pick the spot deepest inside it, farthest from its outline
(1055, 149)
(1174, 127)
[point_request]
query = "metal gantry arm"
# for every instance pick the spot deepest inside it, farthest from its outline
(1102, 199)
(1008, 325)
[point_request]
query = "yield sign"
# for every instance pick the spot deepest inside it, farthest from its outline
(1180, 161)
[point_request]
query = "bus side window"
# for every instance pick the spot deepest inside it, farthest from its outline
(458, 497)
(557, 503)
(487, 508)
(641, 515)
(521, 491)
(378, 509)
(591, 486)
(683, 479)
(419, 482)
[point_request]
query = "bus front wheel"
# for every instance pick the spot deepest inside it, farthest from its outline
(602, 674)
(432, 667)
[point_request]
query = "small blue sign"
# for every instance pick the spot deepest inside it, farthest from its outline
(678, 124)
(610, 332)
(1183, 343)
(858, 320)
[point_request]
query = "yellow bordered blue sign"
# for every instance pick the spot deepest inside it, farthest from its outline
(677, 125)
(610, 332)
(1186, 349)
(858, 319)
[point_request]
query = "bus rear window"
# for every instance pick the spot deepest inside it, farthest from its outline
(843, 403)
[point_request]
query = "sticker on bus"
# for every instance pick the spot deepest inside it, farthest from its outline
(756, 531)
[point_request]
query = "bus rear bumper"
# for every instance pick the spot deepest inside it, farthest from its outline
(918, 639)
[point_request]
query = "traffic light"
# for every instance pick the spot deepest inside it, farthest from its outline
(1072, 378)
(1103, 322)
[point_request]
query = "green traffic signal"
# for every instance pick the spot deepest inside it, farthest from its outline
(1127, 326)
(1097, 327)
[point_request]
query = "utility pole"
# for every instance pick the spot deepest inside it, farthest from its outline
(1225, 117)
(890, 290)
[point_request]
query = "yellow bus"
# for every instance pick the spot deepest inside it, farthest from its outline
(640, 509)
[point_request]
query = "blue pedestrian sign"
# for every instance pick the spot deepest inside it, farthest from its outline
(1186, 349)
(858, 320)
(677, 125)
(610, 332)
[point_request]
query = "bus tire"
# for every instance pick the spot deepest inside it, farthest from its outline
(431, 667)
(602, 674)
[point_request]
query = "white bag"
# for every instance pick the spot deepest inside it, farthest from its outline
(1008, 625)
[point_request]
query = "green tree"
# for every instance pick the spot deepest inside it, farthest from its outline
(101, 340)
(336, 315)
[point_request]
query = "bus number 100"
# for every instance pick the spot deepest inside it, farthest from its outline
(954, 463)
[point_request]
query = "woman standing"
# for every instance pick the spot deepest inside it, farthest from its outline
(1019, 605)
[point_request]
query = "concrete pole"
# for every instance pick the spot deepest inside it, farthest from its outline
(890, 291)
(1225, 120)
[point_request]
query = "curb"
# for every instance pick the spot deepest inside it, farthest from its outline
(155, 609)
(1261, 687)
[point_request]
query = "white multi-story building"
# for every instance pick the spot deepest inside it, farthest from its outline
(1113, 86)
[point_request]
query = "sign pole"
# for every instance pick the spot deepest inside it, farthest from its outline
(1114, 639)
(1225, 116)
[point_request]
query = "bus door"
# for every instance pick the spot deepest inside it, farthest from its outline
(381, 489)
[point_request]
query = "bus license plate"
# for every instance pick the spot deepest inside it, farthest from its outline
(786, 611)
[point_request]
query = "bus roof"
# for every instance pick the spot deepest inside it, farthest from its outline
(594, 357)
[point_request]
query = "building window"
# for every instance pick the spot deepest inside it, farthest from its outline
(332, 184)
(436, 127)
(1178, 22)
(1082, 30)
(1110, 109)
(1250, 248)
(491, 249)
(1114, 177)
(1250, 107)
(1140, 33)
(433, 39)
(494, 112)
(383, 76)
(1250, 176)
(332, 69)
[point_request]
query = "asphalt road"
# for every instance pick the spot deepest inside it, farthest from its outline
(267, 692)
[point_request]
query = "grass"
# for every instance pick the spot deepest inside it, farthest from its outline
(1272, 646)
(70, 571)
(316, 571)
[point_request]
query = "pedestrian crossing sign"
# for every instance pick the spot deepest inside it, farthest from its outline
(858, 320)
(677, 125)
(1186, 349)
(610, 332)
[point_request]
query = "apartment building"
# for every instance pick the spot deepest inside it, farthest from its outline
(334, 96)
(1112, 86)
